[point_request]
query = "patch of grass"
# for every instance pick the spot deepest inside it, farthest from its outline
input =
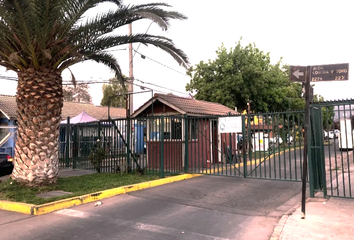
(10, 190)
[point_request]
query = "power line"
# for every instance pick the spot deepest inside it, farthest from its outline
(107, 81)
(115, 50)
(160, 86)
(144, 56)
(140, 42)
(81, 82)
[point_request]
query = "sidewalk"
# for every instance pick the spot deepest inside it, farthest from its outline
(325, 219)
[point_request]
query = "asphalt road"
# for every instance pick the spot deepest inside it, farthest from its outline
(207, 207)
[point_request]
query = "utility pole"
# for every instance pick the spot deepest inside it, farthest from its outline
(130, 107)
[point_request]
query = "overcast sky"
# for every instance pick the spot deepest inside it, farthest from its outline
(301, 32)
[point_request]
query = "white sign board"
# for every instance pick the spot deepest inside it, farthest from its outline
(230, 125)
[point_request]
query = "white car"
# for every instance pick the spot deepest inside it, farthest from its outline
(330, 134)
(336, 133)
(325, 134)
(289, 139)
(276, 139)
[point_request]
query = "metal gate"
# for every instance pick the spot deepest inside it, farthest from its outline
(267, 146)
(331, 159)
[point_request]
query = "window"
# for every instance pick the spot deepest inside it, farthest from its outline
(172, 129)
(193, 129)
(4, 130)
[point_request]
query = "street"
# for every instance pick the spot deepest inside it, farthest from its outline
(206, 207)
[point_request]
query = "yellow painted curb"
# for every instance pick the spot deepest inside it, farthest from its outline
(74, 201)
(17, 207)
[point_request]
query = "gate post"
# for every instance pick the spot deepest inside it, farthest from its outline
(128, 134)
(186, 143)
(244, 156)
(99, 143)
(162, 139)
(317, 174)
(75, 146)
(67, 143)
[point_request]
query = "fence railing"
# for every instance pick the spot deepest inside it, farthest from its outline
(267, 145)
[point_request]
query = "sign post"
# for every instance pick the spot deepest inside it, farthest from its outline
(318, 73)
(307, 122)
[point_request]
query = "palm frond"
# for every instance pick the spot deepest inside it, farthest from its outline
(108, 60)
(161, 42)
(56, 34)
(107, 22)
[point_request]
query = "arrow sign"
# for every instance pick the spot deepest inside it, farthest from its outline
(298, 74)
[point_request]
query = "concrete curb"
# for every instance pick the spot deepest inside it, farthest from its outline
(32, 209)
(279, 228)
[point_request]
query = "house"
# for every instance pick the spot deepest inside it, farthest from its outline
(201, 118)
(8, 124)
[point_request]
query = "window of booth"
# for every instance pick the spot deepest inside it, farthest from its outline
(193, 130)
(172, 129)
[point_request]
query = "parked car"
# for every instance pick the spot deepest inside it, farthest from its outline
(325, 134)
(5, 160)
(289, 139)
(276, 139)
(330, 134)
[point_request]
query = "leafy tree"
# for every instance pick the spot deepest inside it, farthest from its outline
(327, 113)
(41, 38)
(242, 74)
(110, 92)
(80, 93)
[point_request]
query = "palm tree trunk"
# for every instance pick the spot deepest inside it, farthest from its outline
(39, 103)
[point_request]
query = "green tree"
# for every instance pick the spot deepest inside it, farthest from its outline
(78, 93)
(242, 74)
(41, 38)
(111, 92)
(327, 113)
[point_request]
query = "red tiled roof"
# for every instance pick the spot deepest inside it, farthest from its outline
(70, 109)
(189, 106)
(8, 105)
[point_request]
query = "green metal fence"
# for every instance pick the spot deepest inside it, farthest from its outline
(266, 146)
(150, 145)
(333, 160)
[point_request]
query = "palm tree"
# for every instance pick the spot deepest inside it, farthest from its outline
(41, 38)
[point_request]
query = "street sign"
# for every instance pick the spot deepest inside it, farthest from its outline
(331, 72)
(319, 73)
(297, 73)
